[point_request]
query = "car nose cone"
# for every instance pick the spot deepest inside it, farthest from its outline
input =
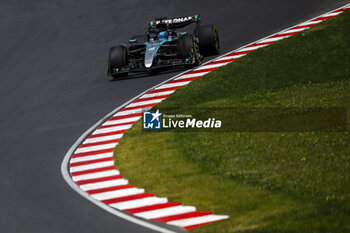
(151, 50)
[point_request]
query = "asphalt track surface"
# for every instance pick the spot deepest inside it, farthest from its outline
(53, 87)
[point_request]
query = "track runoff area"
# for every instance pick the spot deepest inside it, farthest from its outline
(91, 165)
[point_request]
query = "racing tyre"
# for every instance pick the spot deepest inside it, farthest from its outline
(209, 43)
(188, 48)
(117, 59)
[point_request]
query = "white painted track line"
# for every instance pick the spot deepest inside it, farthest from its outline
(129, 112)
(91, 157)
(105, 184)
(308, 23)
(253, 48)
(96, 175)
(197, 220)
(111, 129)
(166, 212)
(213, 66)
(145, 102)
(104, 138)
(273, 39)
(117, 193)
(331, 14)
(122, 121)
(191, 75)
(91, 166)
(230, 57)
(179, 84)
(139, 203)
(295, 30)
(157, 94)
(93, 148)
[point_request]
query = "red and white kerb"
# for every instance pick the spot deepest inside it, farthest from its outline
(92, 165)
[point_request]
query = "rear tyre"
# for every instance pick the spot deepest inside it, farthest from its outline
(189, 49)
(117, 60)
(209, 43)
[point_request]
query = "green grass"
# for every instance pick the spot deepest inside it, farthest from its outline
(265, 182)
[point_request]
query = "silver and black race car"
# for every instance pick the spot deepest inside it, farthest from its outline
(164, 46)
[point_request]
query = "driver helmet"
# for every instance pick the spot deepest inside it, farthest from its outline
(163, 35)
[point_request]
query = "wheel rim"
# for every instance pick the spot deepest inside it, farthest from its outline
(216, 40)
(196, 53)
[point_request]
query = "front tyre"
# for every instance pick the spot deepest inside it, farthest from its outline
(189, 49)
(117, 59)
(209, 43)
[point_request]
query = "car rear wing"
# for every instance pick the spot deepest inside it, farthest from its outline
(179, 22)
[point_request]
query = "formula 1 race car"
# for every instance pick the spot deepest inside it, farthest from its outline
(163, 46)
